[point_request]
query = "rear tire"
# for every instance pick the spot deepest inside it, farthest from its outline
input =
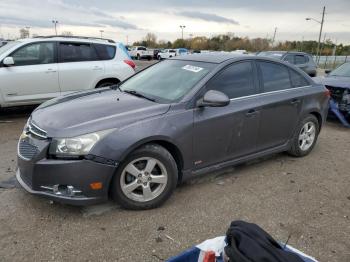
(146, 179)
(305, 137)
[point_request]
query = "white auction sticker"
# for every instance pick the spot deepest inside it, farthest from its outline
(191, 68)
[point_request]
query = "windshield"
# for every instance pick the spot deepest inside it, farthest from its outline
(277, 55)
(343, 70)
(167, 81)
(8, 46)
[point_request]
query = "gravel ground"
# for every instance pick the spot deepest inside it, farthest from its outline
(307, 198)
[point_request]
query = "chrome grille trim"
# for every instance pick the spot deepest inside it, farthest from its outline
(35, 130)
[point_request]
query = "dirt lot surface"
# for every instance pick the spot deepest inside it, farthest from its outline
(307, 198)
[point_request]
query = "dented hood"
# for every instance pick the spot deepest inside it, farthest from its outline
(86, 112)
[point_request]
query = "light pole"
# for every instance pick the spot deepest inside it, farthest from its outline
(319, 36)
(274, 37)
(55, 22)
(182, 31)
(101, 31)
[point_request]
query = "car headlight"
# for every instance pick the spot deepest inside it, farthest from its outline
(76, 146)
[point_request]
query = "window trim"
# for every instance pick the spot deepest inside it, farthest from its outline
(55, 54)
(59, 57)
(255, 82)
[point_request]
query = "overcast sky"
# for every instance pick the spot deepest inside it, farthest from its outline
(134, 19)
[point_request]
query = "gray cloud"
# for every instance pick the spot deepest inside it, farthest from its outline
(117, 23)
(207, 17)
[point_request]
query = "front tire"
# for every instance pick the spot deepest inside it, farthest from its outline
(146, 179)
(305, 137)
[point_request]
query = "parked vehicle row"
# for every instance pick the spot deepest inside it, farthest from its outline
(179, 118)
(35, 70)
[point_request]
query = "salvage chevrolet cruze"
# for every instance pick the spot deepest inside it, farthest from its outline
(134, 142)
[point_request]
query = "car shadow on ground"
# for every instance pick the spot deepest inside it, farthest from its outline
(9, 113)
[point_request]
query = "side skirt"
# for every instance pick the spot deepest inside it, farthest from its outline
(188, 174)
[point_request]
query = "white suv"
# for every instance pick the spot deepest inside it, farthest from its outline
(38, 69)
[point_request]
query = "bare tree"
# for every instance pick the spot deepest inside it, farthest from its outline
(24, 33)
(151, 40)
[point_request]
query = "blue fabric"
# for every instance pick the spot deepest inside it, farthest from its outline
(334, 109)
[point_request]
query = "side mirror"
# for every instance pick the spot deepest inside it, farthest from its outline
(327, 71)
(8, 61)
(213, 98)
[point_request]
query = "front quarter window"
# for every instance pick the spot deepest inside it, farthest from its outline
(168, 81)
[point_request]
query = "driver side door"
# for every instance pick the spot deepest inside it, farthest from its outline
(224, 133)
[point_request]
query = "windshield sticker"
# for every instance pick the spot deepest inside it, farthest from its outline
(191, 68)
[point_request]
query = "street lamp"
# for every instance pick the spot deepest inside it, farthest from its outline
(101, 31)
(319, 37)
(55, 22)
(182, 31)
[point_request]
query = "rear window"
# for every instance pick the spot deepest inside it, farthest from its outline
(76, 52)
(105, 52)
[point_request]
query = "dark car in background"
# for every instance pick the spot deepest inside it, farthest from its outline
(177, 119)
(301, 60)
(338, 83)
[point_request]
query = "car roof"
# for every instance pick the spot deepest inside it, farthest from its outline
(216, 58)
(284, 52)
(68, 39)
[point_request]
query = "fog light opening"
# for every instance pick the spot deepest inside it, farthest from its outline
(63, 190)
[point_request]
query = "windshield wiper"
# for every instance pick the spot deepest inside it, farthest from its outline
(115, 87)
(135, 93)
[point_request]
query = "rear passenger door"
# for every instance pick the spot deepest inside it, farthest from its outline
(79, 66)
(280, 101)
(223, 133)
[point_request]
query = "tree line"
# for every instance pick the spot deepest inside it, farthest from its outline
(230, 42)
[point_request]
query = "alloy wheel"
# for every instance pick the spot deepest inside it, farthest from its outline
(143, 179)
(307, 136)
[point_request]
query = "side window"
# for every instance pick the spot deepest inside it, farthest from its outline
(289, 59)
(274, 76)
(76, 52)
(235, 80)
(34, 54)
(142, 48)
(297, 79)
(300, 59)
(105, 52)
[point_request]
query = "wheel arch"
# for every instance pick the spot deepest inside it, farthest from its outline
(107, 79)
(165, 142)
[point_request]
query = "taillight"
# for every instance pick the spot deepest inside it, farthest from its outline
(130, 63)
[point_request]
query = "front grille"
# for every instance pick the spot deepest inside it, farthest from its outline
(26, 150)
(36, 131)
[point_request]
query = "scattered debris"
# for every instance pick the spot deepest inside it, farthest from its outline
(161, 228)
(220, 183)
(292, 181)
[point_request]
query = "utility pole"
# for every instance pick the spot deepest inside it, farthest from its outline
(101, 31)
(274, 37)
(182, 31)
(55, 22)
(319, 36)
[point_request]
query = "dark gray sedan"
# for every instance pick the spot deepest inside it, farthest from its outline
(177, 119)
(303, 61)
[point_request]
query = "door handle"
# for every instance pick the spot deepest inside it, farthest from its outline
(295, 101)
(251, 112)
(97, 68)
(50, 70)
